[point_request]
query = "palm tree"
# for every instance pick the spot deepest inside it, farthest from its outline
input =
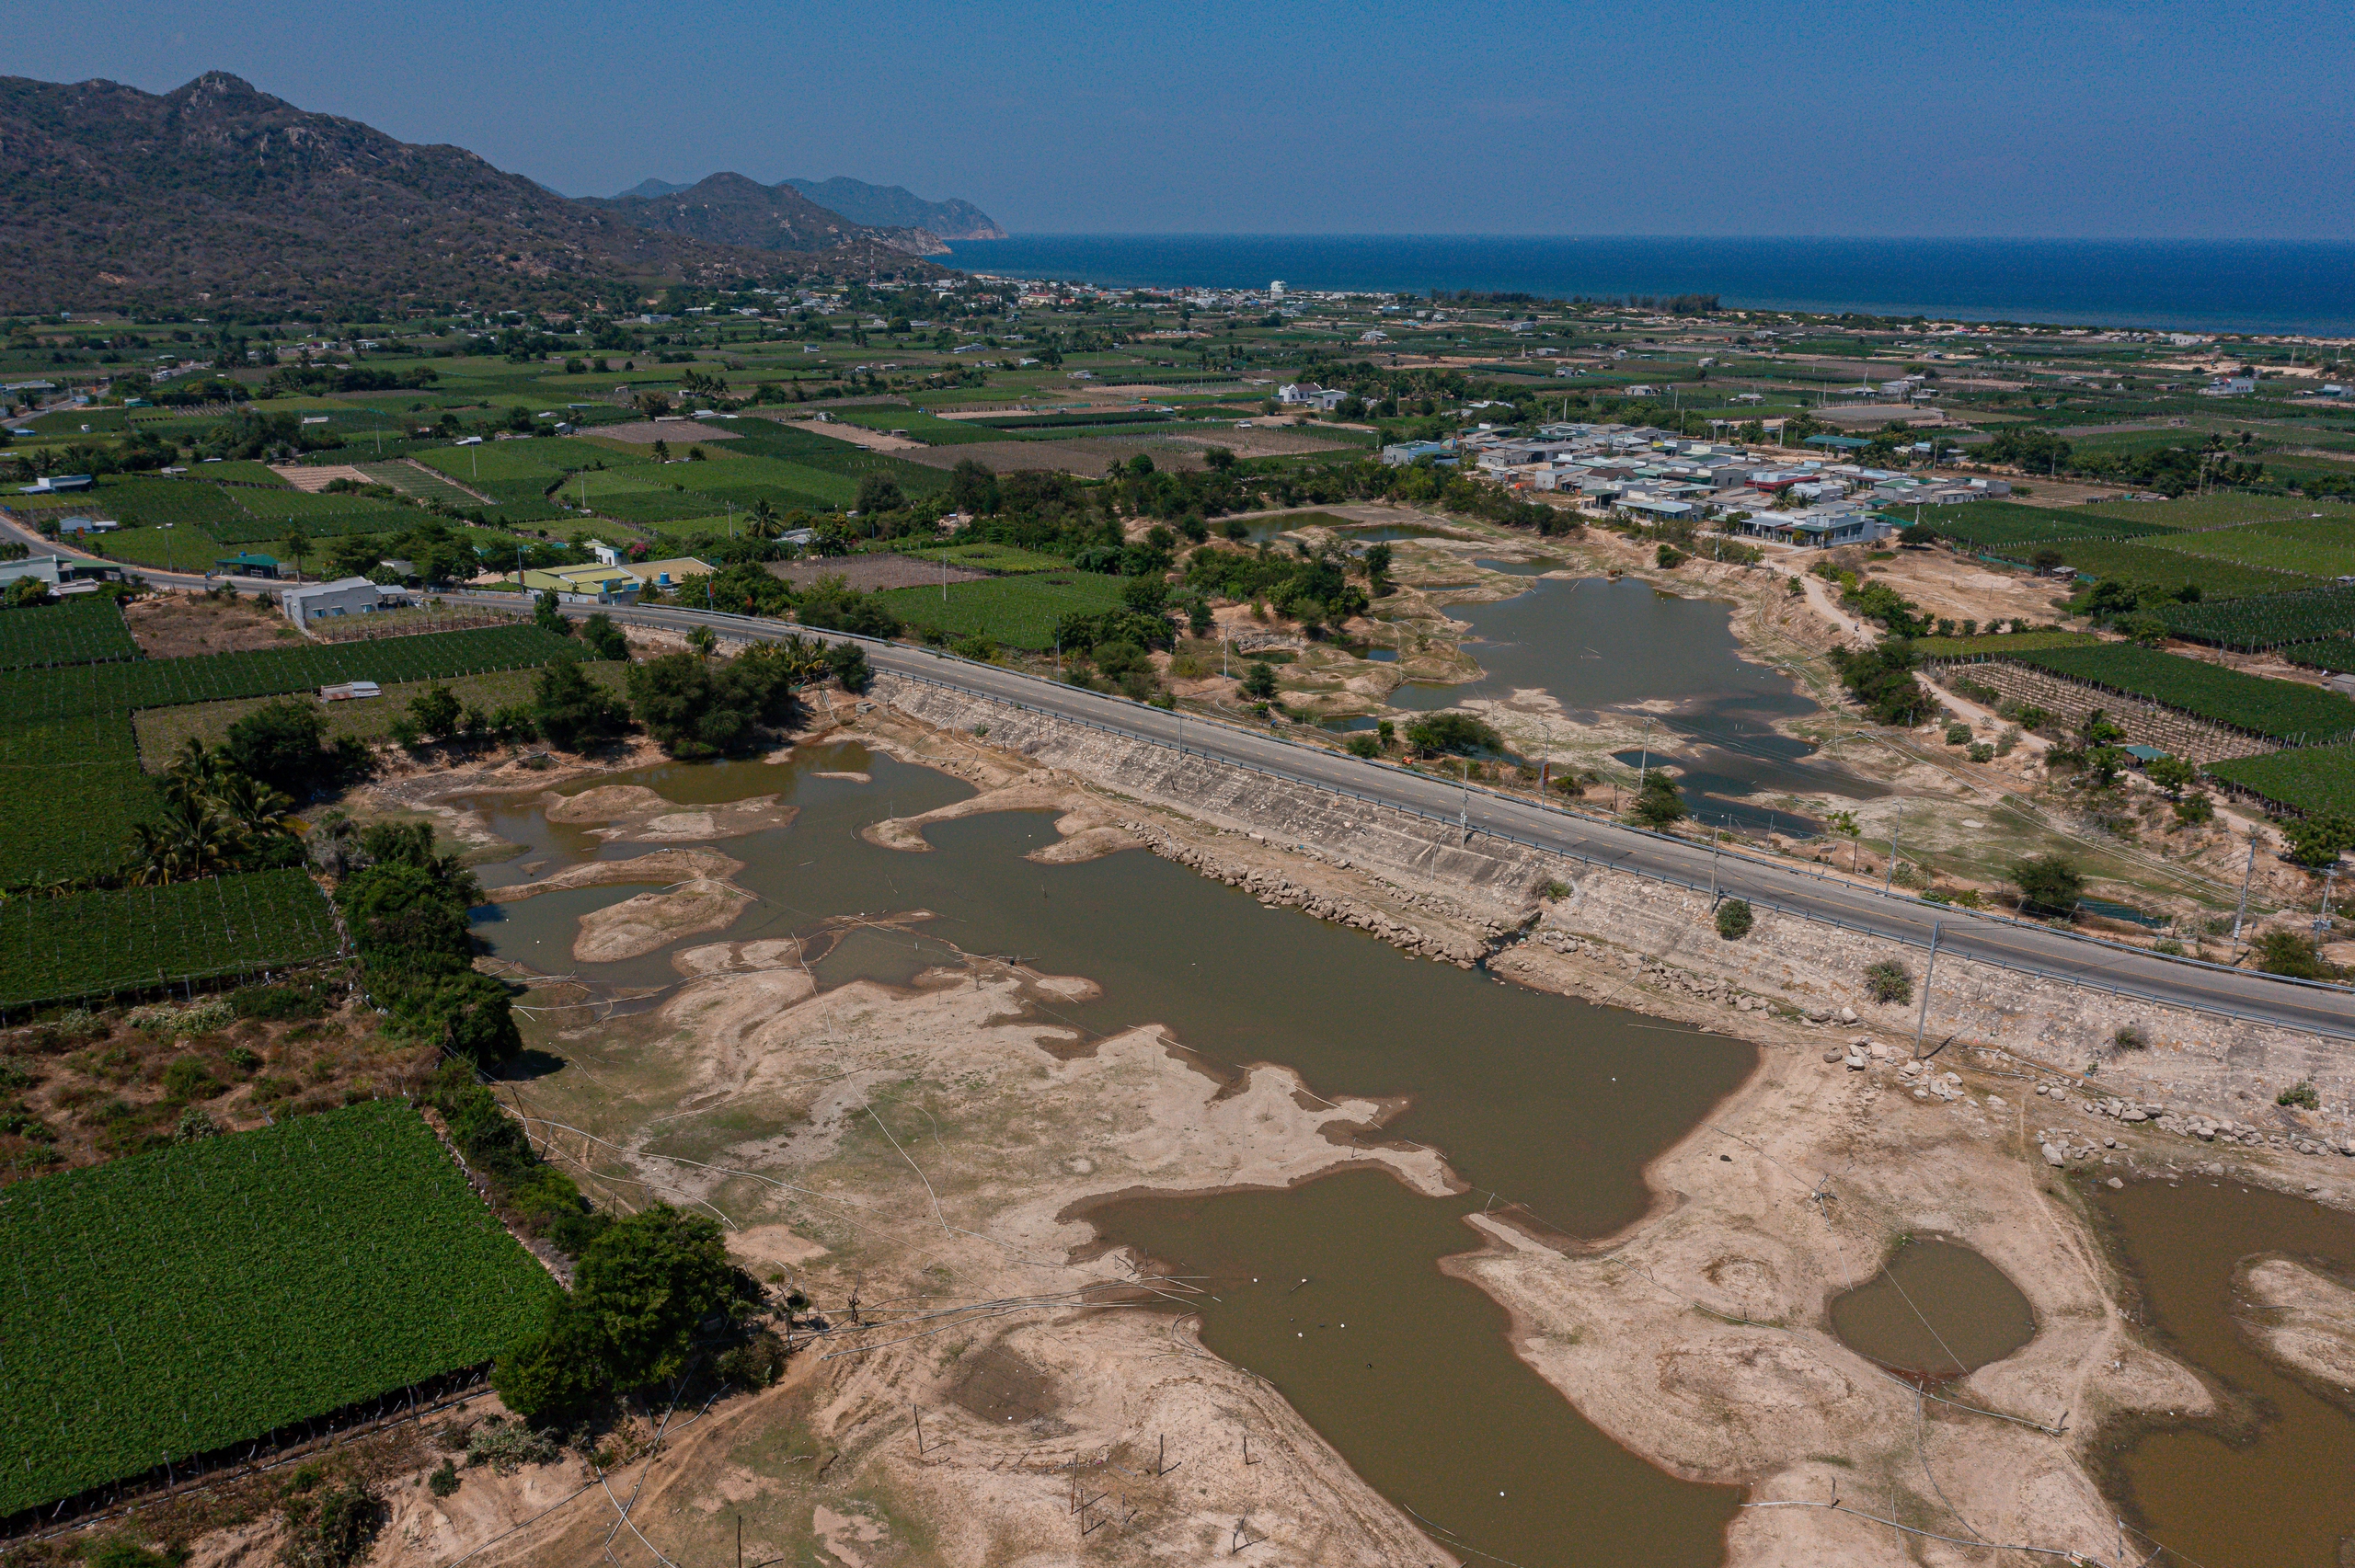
(192, 838)
(763, 521)
(259, 811)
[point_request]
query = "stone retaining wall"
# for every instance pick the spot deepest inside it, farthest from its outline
(1487, 897)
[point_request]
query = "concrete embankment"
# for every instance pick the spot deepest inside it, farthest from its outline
(1486, 899)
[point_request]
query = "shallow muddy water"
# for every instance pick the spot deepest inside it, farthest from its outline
(1549, 1108)
(1332, 1292)
(2279, 1490)
(1936, 1310)
(1592, 643)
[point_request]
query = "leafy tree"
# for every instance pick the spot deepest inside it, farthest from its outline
(1659, 803)
(1452, 732)
(1259, 680)
(643, 1287)
(2048, 884)
(1881, 680)
(603, 638)
(833, 604)
(698, 709)
(2317, 841)
(436, 712)
(2170, 773)
(572, 711)
(1734, 919)
(848, 662)
(972, 487)
(549, 617)
(879, 492)
(280, 744)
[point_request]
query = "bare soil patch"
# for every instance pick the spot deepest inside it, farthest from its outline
(311, 481)
(867, 573)
(173, 625)
(854, 435)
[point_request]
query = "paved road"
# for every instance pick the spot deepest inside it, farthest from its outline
(2257, 998)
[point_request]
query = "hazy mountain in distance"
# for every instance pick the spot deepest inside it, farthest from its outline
(730, 209)
(219, 192)
(894, 206)
(652, 188)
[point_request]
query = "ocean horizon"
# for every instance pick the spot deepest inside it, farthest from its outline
(2257, 286)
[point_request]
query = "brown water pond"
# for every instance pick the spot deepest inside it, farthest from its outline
(1936, 1310)
(2272, 1484)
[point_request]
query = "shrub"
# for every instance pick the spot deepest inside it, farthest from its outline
(756, 1363)
(2289, 954)
(2130, 1038)
(1887, 982)
(1668, 556)
(1454, 732)
(1556, 890)
(508, 1445)
(2301, 1094)
(445, 1480)
(187, 1078)
(1982, 751)
(194, 1124)
(1958, 735)
(330, 1527)
(286, 1001)
(1259, 680)
(1365, 746)
(1734, 919)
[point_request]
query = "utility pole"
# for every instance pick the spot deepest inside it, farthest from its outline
(2241, 911)
(1888, 872)
(1646, 766)
(2322, 916)
(1928, 968)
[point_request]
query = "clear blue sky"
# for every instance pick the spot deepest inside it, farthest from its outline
(1834, 116)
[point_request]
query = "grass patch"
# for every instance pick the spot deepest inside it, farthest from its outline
(162, 731)
(177, 1302)
(1020, 611)
(987, 557)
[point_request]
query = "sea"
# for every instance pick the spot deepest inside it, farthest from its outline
(2178, 285)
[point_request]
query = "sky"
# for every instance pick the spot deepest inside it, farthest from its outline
(1970, 117)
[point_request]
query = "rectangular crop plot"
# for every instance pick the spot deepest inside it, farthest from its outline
(2268, 621)
(29, 696)
(134, 502)
(325, 525)
(88, 630)
(2322, 547)
(1020, 611)
(2310, 779)
(98, 943)
(179, 1302)
(2143, 561)
(987, 557)
(2004, 523)
(2200, 511)
(2279, 709)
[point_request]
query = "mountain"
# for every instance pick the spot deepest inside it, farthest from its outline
(113, 198)
(893, 206)
(653, 188)
(728, 209)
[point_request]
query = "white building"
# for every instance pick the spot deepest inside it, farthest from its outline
(345, 596)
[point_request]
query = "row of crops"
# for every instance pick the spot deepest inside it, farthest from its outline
(2268, 621)
(84, 630)
(180, 1302)
(44, 694)
(2310, 779)
(110, 940)
(2278, 710)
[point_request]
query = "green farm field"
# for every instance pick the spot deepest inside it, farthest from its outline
(2201, 511)
(2144, 562)
(987, 557)
(2309, 779)
(254, 1280)
(2322, 547)
(84, 630)
(1020, 611)
(2281, 709)
(108, 940)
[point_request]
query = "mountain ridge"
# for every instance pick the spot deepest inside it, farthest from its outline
(735, 210)
(216, 192)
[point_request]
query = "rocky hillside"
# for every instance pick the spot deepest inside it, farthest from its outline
(729, 209)
(216, 192)
(893, 206)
